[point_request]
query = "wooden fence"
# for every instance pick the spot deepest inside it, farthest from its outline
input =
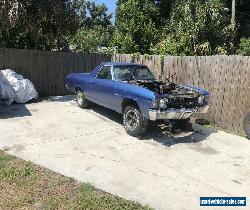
(227, 78)
(47, 70)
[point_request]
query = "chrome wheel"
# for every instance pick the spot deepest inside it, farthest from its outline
(132, 119)
(134, 122)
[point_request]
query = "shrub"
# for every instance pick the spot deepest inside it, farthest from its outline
(244, 48)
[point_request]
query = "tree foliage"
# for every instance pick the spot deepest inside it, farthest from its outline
(95, 27)
(136, 29)
(54, 24)
(36, 24)
(244, 47)
(242, 17)
(180, 27)
(173, 27)
(196, 28)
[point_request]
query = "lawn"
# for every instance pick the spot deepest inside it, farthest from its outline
(24, 185)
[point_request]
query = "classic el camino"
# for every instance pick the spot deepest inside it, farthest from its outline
(132, 90)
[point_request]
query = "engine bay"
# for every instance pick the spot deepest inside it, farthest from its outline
(155, 86)
(178, 97)
(162, 88)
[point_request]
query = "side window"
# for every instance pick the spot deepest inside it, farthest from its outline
(105, 73)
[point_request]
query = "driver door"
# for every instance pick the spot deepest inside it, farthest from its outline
(103, 87)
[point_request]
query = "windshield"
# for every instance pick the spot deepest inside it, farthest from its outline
(126, 73)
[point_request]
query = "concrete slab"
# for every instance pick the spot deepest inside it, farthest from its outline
(162, 170)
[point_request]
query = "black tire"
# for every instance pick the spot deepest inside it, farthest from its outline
(134, 122)
(246, 125)
(81, 100)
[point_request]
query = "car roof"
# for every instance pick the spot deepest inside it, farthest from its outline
(121, 64)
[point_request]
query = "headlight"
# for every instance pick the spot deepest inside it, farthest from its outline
(201, 100)
(162, 104)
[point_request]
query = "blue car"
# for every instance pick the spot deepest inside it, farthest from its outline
(132, 90)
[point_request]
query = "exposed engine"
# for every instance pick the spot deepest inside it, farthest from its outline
(178, 97)
(155, 86)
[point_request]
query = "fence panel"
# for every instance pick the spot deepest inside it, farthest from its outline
(47, 70)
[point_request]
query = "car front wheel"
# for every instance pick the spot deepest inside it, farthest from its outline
(134, 122)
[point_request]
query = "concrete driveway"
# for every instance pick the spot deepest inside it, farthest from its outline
(162, 170)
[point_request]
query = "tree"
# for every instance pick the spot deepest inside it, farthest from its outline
(95, 27)
(176, 27)
(36, 24)
(242, 17)
(135, 27)
(244, 47)
(196, 27)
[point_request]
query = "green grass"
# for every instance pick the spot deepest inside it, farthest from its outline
(24, 185)
(89, 198)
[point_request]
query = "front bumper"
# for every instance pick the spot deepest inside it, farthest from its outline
(176, 114)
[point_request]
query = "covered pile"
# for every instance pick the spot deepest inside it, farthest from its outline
(13, 87)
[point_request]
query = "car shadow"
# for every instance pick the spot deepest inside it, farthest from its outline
(167, 136)
(14, 111)
(107, 113)
(161, 132)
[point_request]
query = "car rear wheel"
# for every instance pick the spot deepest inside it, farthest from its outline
(134, 122)
(81, 100)
(247, 125)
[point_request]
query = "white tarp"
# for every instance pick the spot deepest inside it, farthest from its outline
(13, 87)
